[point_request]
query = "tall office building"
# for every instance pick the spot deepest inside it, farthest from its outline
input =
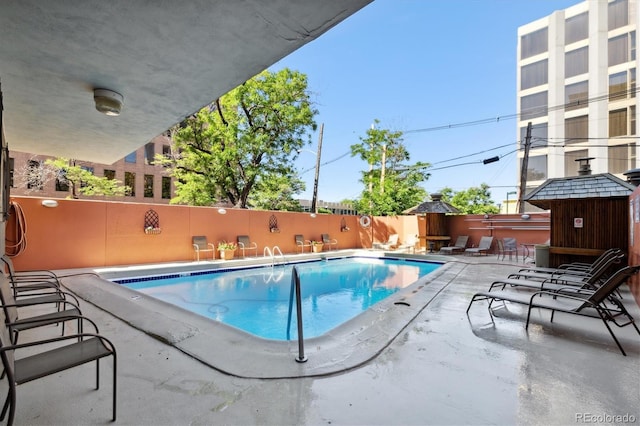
(577, 87)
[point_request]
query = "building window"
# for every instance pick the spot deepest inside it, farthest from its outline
(576, 62)
(622, 158)
(576, 28)
(166, 187)
(533, 106)
(618, 50)
(166, 151)
(618, 123)
(618, 14)
(570, 164)
(576, 96)
(149, 153)
(88, 169)
(535, 74)
(534, 43)
(632, 78)
(632, 120)
(148, 186)
(62, 184)
(537, 168)
(618, 86)
(109, 174)
(34, 175)
(130, 181)
(576, 129)
(539, 135)
(131, 158)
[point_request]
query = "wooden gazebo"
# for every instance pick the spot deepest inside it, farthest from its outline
(432, 223)
(589, 214)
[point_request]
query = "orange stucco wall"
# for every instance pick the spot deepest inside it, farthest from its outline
(534, 230)
(82, 233)
(86, 233)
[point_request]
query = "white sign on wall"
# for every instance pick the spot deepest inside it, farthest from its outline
(578, 222)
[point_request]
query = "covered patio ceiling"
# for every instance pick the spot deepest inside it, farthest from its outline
(167, 59)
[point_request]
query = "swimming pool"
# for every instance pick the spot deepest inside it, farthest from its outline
(260, 301)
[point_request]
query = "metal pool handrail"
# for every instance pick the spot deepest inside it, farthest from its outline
(272, 254)
(295, 282)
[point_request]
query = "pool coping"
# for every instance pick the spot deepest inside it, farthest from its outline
(240, 354)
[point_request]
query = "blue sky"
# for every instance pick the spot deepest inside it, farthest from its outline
(419, 64)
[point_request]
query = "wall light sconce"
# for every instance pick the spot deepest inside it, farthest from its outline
(222, 211)
(108, 102)
(525, 217)
(49, 203)
(313, 215)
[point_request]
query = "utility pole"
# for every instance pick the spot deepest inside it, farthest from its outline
(384, 161)
(523, 169)
(314, 201)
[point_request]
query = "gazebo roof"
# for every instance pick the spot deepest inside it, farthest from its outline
(432, 207)
(603, 185)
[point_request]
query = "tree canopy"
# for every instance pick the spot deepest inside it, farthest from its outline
(391, 184)
(229, 150)
(80, 180)
(475, 200)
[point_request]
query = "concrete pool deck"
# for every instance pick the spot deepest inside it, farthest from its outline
(441, 367)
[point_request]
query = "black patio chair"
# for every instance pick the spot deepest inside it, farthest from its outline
(27, 281)
(86, 347)
(61, 312)
(601, 303)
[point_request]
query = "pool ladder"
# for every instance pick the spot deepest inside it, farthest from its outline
(272, 253)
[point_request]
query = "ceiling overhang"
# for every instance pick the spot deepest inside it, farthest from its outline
(167, 59)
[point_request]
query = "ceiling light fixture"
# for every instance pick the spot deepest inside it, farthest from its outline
(108, 102)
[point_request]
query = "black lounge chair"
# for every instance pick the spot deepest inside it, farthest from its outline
(52, 359)
(601, 303)
(575, 267)
(558, 282)
(605, 259)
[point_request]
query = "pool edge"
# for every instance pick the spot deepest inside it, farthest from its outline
(228, 350)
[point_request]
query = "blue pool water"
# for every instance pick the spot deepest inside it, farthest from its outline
(261, 301)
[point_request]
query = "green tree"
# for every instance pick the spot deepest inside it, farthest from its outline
(391, 184)
(475, 200)
(251, 134)
(275, 192)
(82, 181)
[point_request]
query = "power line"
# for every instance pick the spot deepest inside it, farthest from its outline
(544, 111)
(529, 113)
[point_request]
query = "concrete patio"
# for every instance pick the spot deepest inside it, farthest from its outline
(442, 368)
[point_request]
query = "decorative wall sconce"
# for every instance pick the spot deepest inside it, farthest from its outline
(273, 224)
(222, 211)
(49, 203)
(152, 223)
(343, 225)
(525, 217)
